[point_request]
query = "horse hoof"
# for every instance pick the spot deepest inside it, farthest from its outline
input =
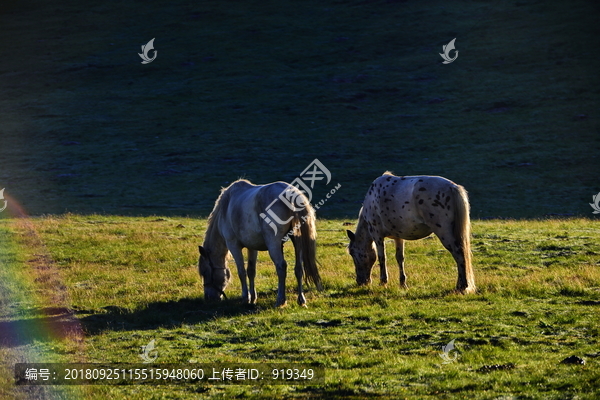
(467, 290)
(281, 305)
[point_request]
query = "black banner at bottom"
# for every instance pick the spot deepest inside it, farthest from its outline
(168, 374)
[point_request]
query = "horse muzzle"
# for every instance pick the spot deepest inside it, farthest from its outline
(363, 281)
(213, 294)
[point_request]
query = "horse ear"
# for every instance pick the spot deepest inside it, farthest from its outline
(351, 235)
(202, 251)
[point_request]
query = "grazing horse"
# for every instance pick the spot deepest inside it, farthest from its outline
(238, 221)
(411, 208)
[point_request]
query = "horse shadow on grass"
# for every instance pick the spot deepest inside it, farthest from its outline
(167, 314)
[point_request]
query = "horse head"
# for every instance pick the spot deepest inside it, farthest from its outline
(215, 273)
(364, 256)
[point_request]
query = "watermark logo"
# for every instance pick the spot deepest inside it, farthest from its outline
(6, 202)
(446, 353)
(446, 54)
(315, 171)
(149, 352)
(595, 205)
(145, 49)
(291, 198)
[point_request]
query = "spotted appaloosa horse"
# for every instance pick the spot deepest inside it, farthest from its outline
(410, 208)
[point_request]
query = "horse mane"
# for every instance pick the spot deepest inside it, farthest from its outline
(220, 204)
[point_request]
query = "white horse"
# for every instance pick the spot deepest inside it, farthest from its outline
(410, 208)
(238, 221)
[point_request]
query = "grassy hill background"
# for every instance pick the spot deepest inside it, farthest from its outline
(258, 89)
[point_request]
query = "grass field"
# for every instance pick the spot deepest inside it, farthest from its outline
(130, 280)
(115, 166)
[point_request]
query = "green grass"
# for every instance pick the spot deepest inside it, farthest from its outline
(131, 280)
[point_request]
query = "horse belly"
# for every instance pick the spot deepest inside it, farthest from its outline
(406, 229)
(254, 243)
(246, 236)
(416, 231)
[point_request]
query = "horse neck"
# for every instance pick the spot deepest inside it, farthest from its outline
(214, 241)
(363, 238)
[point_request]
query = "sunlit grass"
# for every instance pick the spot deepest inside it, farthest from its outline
(131, 280)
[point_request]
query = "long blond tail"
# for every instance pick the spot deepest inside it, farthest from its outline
(462, 234)
(308, 242)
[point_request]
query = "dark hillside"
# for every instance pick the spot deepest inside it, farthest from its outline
(258, 89)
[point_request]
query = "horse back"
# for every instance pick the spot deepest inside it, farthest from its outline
(404, 206)
(246, 202)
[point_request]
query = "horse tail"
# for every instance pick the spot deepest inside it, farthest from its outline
(462, 235)
(308, 244)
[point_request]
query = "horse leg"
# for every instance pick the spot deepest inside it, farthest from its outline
(451, 244)
(299, 271)
(276, 253)
(252, 255)
(236, 253)
(400, 259)
(383, 273)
